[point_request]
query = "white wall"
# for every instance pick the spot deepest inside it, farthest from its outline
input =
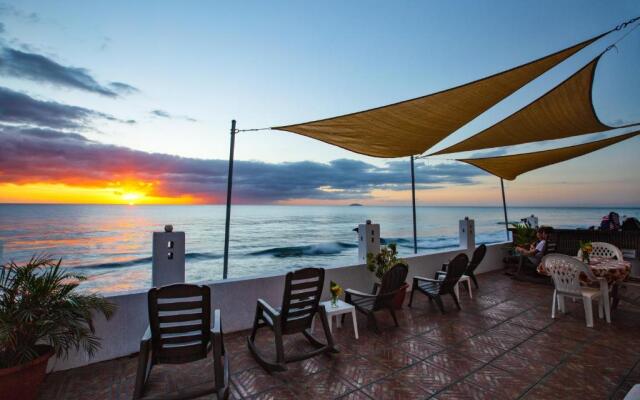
(236, 298)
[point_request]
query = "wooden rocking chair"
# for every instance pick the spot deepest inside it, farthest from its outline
(392, 282)
(435, 289)
(300, 303)
(180, 332)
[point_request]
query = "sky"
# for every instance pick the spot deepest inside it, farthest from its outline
(131, 102)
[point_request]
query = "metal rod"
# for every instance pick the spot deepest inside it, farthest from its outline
(225, 269)
(413, 198)
(504, 208)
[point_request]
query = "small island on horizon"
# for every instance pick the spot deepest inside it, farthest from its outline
(355, 205)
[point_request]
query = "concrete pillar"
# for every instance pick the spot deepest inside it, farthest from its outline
(368, 240)
(467, 232)
(168, 261)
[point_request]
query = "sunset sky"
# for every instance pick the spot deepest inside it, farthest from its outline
(130, 102)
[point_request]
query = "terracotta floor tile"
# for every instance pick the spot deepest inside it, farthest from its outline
(360, 371)
(279, 393)
(392, 358)
(500, 382)
(540, 353)
(515, 330)
(427, 376)
(466, 391)
(323, 385)
(479, 350)
(395, 389)
(254, 381)
(521, 366)
(457, 363)
(419, 347)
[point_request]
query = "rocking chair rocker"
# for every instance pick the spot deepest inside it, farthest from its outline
(300, 303)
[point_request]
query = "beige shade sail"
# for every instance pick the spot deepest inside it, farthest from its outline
(509, 167)
(564, 111)
(413, 126)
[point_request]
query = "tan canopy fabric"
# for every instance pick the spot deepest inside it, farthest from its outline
(413, 126)
(509, 167)
(564, 111)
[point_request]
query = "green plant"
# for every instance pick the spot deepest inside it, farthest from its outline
(39, 305)
(523, 235)
(383, 261)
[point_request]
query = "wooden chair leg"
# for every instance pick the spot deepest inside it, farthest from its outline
(413, 289)
(144, 369)
(373, 322)
(455, 300)
(279, 345)
(438, 300)
(393, 315)
(475, 281)
(256, 322)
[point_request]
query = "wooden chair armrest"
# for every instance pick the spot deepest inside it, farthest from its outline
(358, 293)
(268, 309)
(422, 278)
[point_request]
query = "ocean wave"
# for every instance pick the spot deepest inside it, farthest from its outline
(146, 260)
(321, 249)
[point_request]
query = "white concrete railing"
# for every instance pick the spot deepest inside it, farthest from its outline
(236, 298)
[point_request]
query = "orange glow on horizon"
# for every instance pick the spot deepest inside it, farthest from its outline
(113, 193)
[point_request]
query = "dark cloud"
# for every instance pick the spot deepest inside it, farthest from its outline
(166, 114)
(27, 65)
(18, 108)
(45, 155)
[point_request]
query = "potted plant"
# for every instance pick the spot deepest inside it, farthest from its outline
(381, 263)
(523, 235)
(41, 315)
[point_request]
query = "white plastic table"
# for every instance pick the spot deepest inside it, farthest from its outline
(341, 308)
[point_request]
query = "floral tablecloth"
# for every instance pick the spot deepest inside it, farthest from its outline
(612, 270)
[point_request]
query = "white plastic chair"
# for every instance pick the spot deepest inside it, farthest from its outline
(605, 250)
(565, 272)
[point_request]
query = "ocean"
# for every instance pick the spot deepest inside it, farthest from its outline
(112, 244)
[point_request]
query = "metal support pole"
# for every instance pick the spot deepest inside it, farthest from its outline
(225, 269)
(504, 208)
(413, 198)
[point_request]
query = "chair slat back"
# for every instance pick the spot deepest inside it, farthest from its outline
(180, 319)
(302, 292)
(605, 250)
(476, 259)
(565, 272)
(455, 270)
(392, 280)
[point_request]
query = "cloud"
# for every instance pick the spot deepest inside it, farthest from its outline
(9, 10)
(19, 108)
(166, 114)
(28, 65)
(2, 30)
(31, 155)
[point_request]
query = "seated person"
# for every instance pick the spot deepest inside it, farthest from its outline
(531, 256)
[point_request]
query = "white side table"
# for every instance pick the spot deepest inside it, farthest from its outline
(341, 308)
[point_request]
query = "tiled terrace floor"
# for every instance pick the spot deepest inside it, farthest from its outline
(502, 345)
